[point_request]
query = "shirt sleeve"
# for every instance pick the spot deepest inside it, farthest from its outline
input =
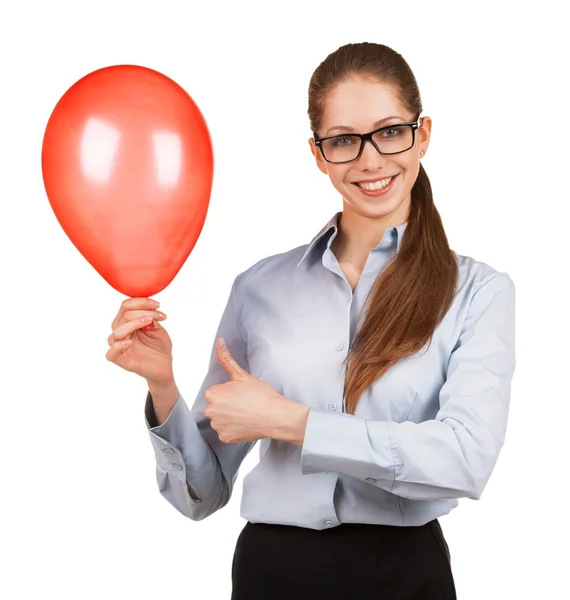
(187, 449)
(454, 454)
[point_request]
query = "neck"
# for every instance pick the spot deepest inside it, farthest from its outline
(358, 235)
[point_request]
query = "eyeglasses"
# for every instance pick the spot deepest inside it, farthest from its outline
(392, 139)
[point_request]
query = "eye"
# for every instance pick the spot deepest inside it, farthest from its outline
(342, 140)
(391, 132)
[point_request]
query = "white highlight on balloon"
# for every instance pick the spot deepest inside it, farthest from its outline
(168, 155)
(99, 146)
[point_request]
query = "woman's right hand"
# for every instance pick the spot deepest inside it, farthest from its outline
(150, 352)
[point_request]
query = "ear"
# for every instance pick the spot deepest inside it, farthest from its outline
(321, 162)
(424, 133)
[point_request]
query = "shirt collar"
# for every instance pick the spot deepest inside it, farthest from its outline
(397, 230)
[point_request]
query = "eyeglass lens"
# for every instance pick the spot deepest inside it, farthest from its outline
(390, 141)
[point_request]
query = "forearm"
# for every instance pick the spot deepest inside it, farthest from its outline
(289, 421)
(164, 397)
(432, 460)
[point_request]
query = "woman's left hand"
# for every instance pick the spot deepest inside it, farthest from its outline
(244, 409)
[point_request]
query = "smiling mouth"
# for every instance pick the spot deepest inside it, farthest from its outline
(372, 186)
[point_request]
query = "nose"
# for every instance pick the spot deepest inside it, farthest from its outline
(371, 159)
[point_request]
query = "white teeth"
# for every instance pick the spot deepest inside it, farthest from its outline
(376, 185)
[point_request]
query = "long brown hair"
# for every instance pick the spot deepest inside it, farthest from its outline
(416, 288)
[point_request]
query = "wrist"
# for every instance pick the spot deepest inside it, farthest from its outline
(291, 422)
(162, 386)
(164, 397)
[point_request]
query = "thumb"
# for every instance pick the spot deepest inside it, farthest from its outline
(228, 362)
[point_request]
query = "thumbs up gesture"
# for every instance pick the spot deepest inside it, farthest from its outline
(246, 409)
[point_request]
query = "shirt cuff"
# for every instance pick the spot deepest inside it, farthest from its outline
(344, 443)
(178, 446)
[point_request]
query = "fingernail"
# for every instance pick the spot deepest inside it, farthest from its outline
(223, 343)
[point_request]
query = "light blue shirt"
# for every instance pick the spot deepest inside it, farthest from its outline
(424, 435)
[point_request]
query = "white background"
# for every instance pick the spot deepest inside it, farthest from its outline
(82, 516)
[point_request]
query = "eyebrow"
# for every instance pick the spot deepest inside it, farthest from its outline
(377, 124)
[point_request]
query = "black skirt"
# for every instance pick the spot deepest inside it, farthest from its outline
(352, 561)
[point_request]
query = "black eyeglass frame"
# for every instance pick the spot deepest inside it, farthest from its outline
(367, 136)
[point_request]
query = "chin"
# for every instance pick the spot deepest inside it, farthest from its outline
(375, 209)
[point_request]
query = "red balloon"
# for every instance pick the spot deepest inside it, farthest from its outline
(127, 166)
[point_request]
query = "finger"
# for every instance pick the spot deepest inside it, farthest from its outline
(128, 328)
(130, 304)
(133, 315)
(133, 304)
(153, 325)
(228, 362)
(117, 350)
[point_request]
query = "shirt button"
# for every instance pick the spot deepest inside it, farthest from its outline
(340, 346)
(176, 466)
(371, 479)
(329, 523)
(168, 450)
(332, 405)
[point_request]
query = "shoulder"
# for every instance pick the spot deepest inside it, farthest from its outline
(476, 276)
(271, 267)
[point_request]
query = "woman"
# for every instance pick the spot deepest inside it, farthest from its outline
(374, 364)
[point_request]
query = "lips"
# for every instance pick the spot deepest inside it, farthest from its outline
(377, 193)
(375, 185)
(373, 180)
